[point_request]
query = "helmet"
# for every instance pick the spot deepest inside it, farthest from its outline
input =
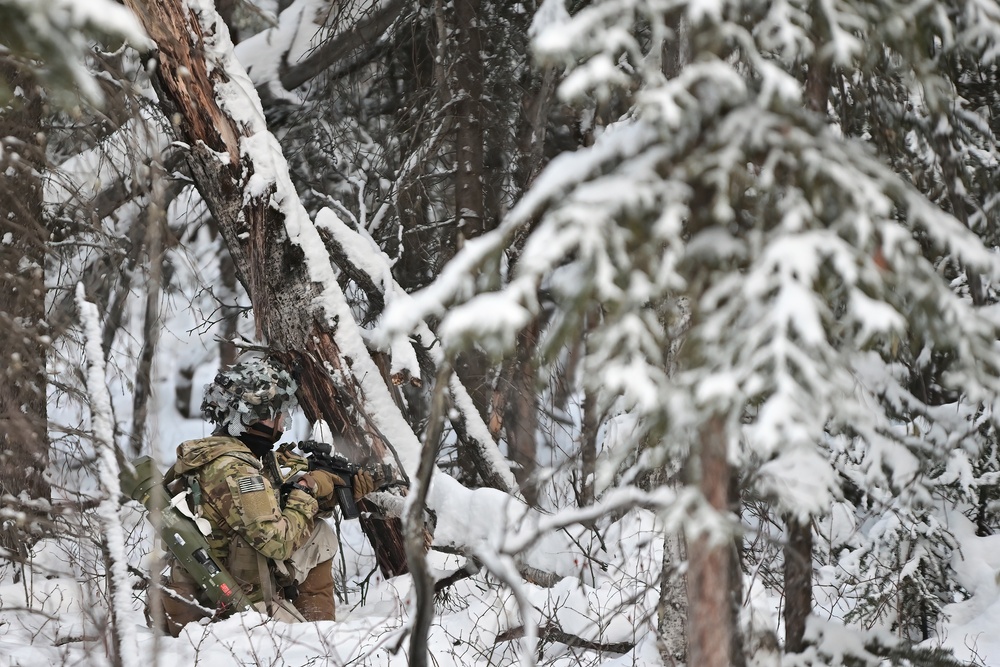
(249, 391)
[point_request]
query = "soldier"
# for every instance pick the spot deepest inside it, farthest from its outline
(260, 505)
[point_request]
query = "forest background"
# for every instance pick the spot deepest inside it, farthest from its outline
(679, 316)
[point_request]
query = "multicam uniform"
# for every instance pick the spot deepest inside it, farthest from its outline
(270, 547)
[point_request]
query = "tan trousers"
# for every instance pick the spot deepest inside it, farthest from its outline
(315, 600)
(179, 603)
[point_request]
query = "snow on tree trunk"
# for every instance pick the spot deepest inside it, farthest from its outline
(423, 582)
(155, 224)
(469, 126)
(109, 510)
(515, 409)
(466, 43)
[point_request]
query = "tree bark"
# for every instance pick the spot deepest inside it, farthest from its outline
(155, 224)
(710, 620)
(672, 607)
(521, 422)
(798, 583)
(469, 128)
(798, 548)
(588, 447)
(416, 63)
(23, 413)
(416, 547)
(819, 73)
(676, 49)
(472, 366)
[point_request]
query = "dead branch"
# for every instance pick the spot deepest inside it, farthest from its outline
(341, 45)
(530, 574)
(552, 633)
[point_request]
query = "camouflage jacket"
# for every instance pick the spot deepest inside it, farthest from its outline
(239, 496)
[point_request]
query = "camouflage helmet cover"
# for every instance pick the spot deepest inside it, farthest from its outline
(249, 391)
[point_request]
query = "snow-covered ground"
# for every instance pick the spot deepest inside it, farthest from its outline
(55, 616)
(58, 620)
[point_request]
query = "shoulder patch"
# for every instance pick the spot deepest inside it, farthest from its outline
(250, 484)
(254, 499)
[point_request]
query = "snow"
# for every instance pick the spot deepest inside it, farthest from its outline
(455, 282)
(270, 177)
(805, 481)
(369, 629)
(61, 24)
(480, 434)
(551, 14)
(58, 618)
(295, 35)
(126, 151)
(478, 321)
(607, 587)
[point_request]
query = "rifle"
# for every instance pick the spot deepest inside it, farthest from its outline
(182, 537)
(322, 457)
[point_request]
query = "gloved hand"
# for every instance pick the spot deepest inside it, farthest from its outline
(363, 484)
(325, 482)
(306, 484)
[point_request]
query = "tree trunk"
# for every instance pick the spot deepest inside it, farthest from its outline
(798, 583)
(798, 548)
(588, 447)
(472, 366)
(710, 620)
(423, 582)
(737, 648)
(819, 72)
(671, 611)
(230, 308)
(469, 128)
(417, 263)
(676, 50)
(521, 422)
(155, 224)
(472, 369)
(23, 415)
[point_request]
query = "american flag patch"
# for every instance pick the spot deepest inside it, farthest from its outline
(250, 484)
